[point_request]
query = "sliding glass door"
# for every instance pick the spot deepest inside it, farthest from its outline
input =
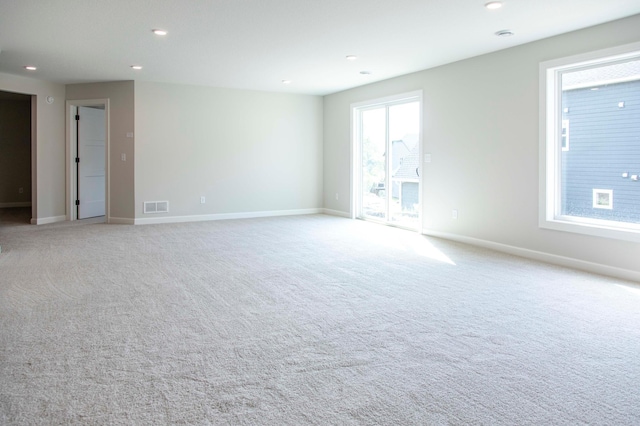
(374, 167)
(387, 161)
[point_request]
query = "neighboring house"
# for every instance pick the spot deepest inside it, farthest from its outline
(400, 150)
(406, 178)
(601, 143)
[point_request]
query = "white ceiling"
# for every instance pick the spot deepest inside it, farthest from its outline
(255, 44)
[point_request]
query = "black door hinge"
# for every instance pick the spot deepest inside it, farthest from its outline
(77, 159)
(77, 202)
(77, 117)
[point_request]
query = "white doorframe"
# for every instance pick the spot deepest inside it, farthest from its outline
(72, 212)
(356, 155)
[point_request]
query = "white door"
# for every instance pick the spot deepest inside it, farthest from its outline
(91, 162)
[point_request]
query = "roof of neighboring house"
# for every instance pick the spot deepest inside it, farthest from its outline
(617, 73)
(408, 169)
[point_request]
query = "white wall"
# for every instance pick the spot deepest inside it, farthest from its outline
(122, 121)
(481, 127)
(245, 151)
(48, 169)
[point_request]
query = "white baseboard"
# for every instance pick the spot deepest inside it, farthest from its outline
(336, 213)
(121, 221)
(15, 204)
(47, 220)
(569, 262)
(223, 216)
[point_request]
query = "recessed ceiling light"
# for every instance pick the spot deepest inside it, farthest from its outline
(286, 81)
(159, 32)
(504, 33)
(351, 57)
(365, 72)
(136, 67)
(492, 5)
(30, 68)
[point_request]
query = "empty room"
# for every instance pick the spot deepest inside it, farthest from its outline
(294, 212)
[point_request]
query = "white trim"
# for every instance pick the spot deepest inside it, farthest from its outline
(596, 268)
(354, 160)
(600, 83)
(590, 58)
(70, 149)
(47, 220)
(121, 221)
(15, 204)
(336, 213)
(224, 216)
(400, 98)
(594, 227)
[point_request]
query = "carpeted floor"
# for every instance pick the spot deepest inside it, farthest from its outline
(304, 320)
(15, 216)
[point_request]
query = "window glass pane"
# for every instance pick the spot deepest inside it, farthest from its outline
(404, 134)
(599, 142)
(374, 167)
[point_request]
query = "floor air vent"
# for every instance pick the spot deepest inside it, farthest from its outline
(156, 207)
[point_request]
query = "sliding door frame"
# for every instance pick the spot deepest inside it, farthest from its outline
(356, 149)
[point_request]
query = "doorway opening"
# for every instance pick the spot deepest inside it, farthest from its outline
(17, 156)
(88, 159)
(386, 151)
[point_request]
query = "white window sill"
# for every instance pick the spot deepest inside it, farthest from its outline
(593, 227)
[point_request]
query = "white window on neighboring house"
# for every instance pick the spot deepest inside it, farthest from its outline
(589, 133)
(603, 199)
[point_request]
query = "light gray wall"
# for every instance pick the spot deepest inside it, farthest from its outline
(122, 121)
(49, 153)
(245, 151)
(15, 151)
(481, 127)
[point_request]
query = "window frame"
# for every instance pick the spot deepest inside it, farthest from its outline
(550, 146)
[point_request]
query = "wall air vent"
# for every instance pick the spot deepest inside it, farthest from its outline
(156, 207)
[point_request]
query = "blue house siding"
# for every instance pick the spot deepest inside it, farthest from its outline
(410, 196)
(603, 143)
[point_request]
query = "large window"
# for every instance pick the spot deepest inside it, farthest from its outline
(590, 143)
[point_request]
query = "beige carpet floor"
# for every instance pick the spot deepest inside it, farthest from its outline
(304, 320)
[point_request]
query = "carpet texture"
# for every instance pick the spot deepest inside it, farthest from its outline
(304, 320)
